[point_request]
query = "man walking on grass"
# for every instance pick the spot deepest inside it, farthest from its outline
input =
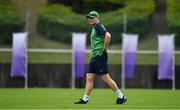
(100, 39)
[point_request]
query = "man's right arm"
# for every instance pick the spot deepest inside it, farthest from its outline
(107, 39)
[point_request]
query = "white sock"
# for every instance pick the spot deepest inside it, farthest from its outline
(119, 94)
(86, 98)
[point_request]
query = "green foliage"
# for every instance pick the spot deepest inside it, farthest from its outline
(10, 21)
(58, 22)
(5, 2)
(99, 5)
(84, 6)
(173, 19)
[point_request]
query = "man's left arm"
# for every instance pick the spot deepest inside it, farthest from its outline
(107, 39)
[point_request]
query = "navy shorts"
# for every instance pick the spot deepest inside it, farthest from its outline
(98, 65)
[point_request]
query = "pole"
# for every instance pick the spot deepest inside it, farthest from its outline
(73, 68)
(73, 73)
(125, 23)
(26, 57)
(123, 67)
(173, 69)
(26, 69)
(123, 72)
(27, 21)
(26, 64)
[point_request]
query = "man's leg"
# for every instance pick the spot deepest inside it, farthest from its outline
(88, 88)
(120, 97)
(106, 78)
(89, 83)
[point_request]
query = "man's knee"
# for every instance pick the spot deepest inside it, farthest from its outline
(106, 78)
(89, 77)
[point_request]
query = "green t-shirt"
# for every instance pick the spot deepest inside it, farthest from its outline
(97, 39)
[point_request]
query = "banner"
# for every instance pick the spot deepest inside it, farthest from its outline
(166, 53)
(129, 54)
(79, 48)
(19, 52)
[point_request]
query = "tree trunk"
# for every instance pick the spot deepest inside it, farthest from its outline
(158, 21)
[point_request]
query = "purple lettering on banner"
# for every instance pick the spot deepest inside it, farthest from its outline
(129, 53)
(19, 51)
(79, 48)
(166, 52)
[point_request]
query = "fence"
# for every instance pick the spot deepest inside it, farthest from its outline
(69, 51)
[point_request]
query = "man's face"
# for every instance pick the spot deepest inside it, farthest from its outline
(93, 21)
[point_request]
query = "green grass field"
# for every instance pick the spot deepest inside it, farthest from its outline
(100, 99)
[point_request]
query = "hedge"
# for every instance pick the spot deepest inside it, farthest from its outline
(58, 22)
(10, 21)
(173, 19)
(101, 5)
(84, 6)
